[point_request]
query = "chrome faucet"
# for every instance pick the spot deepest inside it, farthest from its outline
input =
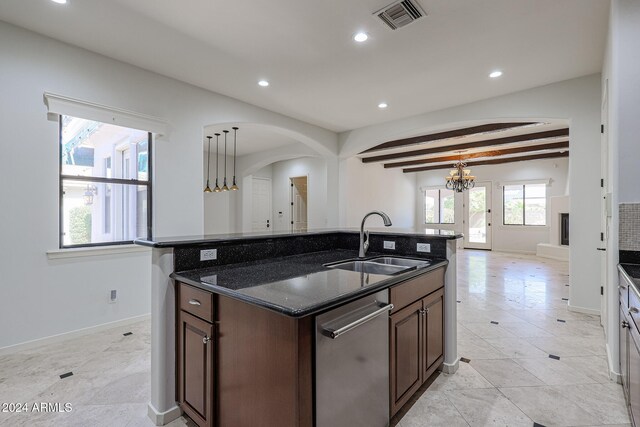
(364, 235)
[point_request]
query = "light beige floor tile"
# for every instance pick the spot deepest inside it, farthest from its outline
(488, 330)
(554, 372)
(604, 402)
(547, 406)
(505, 373)
(516, 347)
(594, 367)
(478, 348)
(433, 409)
(487, 407)
(465, 378)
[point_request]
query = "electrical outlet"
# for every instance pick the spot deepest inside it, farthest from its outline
(423, 247)
(389, 244)
(113, 296)
(208, 254)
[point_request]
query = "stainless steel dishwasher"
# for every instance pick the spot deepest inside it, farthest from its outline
(352, 364)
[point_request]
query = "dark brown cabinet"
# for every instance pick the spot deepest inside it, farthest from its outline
(433, 331)
(196, 355)
(416, 335)
(405, 354)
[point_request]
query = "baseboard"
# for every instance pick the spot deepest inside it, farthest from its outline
(162, 418)
(72, 334)
(613, 375)
(582, 310)
(450, 368)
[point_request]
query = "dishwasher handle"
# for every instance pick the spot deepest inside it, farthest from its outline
(335, 333)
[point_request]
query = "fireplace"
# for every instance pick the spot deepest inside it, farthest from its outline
(564, 229)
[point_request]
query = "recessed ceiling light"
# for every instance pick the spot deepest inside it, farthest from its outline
(495, 74)
(263, 83)
(361, 37)
(60, 1)
(383, 105)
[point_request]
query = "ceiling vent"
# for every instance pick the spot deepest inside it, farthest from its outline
(400, 13)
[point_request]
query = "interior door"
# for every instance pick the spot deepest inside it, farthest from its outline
(605, 214)
(299, 204)
(261, 196)
(477, 217)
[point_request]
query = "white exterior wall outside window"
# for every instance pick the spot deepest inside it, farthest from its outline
(104, 183)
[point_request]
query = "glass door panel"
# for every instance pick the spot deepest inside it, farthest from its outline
(477, 217)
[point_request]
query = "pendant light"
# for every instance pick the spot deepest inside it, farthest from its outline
(224, 186)
(217, 187)
(207, 189)
(234, 187)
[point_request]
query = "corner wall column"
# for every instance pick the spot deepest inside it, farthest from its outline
(450, 364)
(163, 407)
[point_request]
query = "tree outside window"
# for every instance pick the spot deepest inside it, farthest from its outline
(439, 206)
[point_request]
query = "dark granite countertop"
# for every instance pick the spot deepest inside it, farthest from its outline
(296, 285)
(181, 241)
(633, 272)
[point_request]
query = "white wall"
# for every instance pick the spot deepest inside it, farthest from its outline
(42, 297)
(369, 187)
(576, 100)
(504, 238)
(316, 170)
(621, 78)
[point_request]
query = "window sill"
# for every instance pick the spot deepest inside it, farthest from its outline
(96, 251)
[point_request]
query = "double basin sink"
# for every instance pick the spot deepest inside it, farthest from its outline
(384, 265)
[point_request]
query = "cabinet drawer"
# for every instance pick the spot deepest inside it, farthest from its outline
(414, 289)
(634, 307)
(196, 301)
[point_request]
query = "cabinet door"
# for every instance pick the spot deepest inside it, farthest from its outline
(406, 354)
(624, 352)
(634, 375)
(195, 368)
(433, 331)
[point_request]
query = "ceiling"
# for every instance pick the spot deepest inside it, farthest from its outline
(318, 74)
(252, 138)
(503, 143)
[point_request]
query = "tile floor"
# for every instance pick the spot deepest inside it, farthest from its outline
(509, 312)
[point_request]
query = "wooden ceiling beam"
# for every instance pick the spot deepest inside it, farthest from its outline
(490, 127)
(476, 144)
(492, 153)
(492, 161)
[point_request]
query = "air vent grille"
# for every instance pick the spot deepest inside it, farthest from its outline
(400, 13)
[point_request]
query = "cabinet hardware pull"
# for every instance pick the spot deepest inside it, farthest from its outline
(423, 312)
(622, 287)
(633, 310)
(624, 324)
(194, 302)
(206, 339)
(335, 333)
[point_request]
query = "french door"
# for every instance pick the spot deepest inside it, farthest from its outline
(477, 217)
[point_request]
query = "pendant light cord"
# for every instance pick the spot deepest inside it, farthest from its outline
(217, 154)
(208, 159)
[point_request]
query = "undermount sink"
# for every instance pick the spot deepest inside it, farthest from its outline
(402, 262)
(384, 265)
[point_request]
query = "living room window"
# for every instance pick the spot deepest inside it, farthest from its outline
(524, 204)
(105, 183)
(439, 206)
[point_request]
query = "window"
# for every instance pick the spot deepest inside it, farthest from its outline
(524, 204)
(105, 183)
(439, 206)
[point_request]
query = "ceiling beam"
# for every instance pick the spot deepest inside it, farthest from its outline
(490, 127)
(492, 153)
(477, 144)
(492, 161)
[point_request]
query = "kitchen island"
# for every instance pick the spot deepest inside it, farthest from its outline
(250, 307)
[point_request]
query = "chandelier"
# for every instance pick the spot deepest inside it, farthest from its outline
(460, 179)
